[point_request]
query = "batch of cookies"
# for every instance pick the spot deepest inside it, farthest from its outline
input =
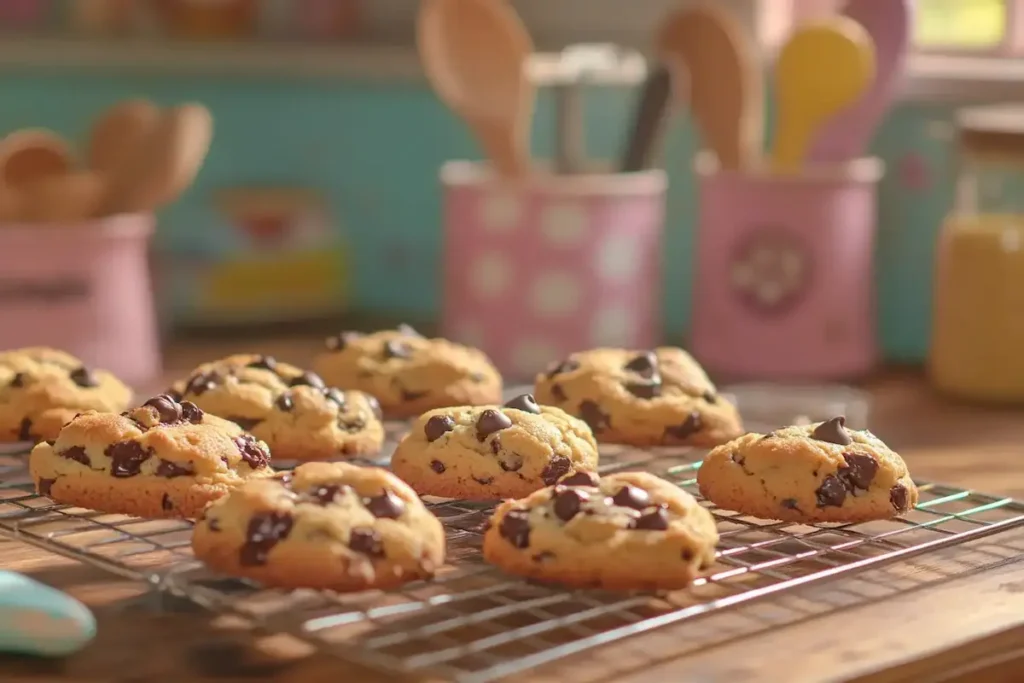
(202, 451)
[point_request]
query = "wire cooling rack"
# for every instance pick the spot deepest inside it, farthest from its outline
(473, 624)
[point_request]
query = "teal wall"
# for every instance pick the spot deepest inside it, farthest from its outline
(374, 150)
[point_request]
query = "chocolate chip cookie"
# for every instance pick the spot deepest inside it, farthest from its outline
(41, 389)
(642, 398)
(162, 459)
(821, 472)
(625, 531)
(295, 412)
(493, 452)
(331, 526)
(408, 373)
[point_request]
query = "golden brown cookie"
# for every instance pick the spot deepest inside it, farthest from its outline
(163, 459)
(41, 389)
(408, 373)
(629, 530)
(642, 398)
(815, 473)
(493, 452)
(295, 412)
(331, 526)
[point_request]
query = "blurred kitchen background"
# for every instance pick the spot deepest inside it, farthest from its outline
(320, 194)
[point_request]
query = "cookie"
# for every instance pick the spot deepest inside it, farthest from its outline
(295, 412)
(493, 452)
(330, 526)
(624, 531)
(641, 398)
(408, 373)
(162, 459)
(41, 389)
(821, 472)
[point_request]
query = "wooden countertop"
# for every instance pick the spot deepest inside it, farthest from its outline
(954, 615)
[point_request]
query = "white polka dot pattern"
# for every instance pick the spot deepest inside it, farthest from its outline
(500, 211)
(611, 327)
(564, 224)
(532, 355)
(490, 274)
(618, 259)
(555, 294)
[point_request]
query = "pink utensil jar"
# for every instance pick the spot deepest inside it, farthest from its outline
(537, 269)
(785, 272)
(84, 288)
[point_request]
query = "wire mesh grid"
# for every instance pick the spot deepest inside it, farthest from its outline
(473, 624)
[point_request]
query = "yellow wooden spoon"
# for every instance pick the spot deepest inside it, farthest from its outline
(822, 69)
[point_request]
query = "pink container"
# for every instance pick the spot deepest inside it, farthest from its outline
(536, 270)
(84, 289)
(785, 275)
(22, 14)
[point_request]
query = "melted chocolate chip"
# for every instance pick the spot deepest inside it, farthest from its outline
(524, 402)
(437, 466)
(515, 528)
(385, 506)
(126, 458)
(167, 409)
(78, 454)
(263, 533)
(352, 425)
(490, 422)
(410, 395)
(264, 363)
(336, 396)
(567, 503)
(213, 524)
(510, 462)
(166, 503)
(596, 419)
(557, 468)
(18, 380)
(690, 426)
(374, 406)
(562, 367)
(308, 379)
(645, 365)
(710, 397)
(579, 479)
(789, 504)
(83, 377)
(831, 493)
(438, 426)
(396, 349)
(190, 412)
(484, 481)
(246, 423)
(367, 542)
(284, 403)
(655, 520)
(339, 341)
(325, 494)
(253, 452)
(203, 382)
(170, 470)
(477, 377)
(558, 393)
(25, 430)
(645, 390)
(631, 497)
(832, 431)
(859, 471)
(44, 486)
(899, 497)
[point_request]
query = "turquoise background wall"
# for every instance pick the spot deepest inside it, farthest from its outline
(374, 151)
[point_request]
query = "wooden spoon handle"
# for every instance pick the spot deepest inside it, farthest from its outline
(508, 153)
(32, 154)
(67, 198)
(118, 132)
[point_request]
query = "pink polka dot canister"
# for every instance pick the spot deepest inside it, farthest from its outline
(536, 269)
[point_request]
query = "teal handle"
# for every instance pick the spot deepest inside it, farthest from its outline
(36, 619)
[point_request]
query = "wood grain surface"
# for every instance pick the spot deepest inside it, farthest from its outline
(955, 615)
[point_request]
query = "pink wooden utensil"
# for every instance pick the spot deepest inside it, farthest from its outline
(848, 134)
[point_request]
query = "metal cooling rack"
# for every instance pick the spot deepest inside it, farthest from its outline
(473, 624)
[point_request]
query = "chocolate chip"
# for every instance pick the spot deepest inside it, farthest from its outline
(524, 402)
(556, 468)
(366, 541)
(410, 395)
(645, 390)
(166, 503)
(203, 382)
(789, 504)
(253, 452)
(562, 367)
(690, 426)
(515, 528)
(18, 380)
(374, 406)
(596, 419)
(710, 397)
(899, 497)
(284, 403)
(558, 393)
(44, 486)
(83, 377)
(408, 331)
(78, 454)
(396, 349)
(859, 471)
(631, 497)
(385, 506)
(308, 379)
(438, 426)
(579, 479)
(567, 503)
(686, 555)
(832, 431)
(353, 425)
(831, 493)
(490, 422)
(336, 396)
(339, 341)
(264, 363)
(167, 409)
(191, 412)
(437, 466)
(213, 524)
(477, 377)
(326, 494)
(510, 462)
(246, 423)
(645, 365)
(25, 430)
(126, 458)
(484, 481)
(655, 520)
(170, 470)
(262, 534)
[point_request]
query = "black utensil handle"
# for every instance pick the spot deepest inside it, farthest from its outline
(648, 120)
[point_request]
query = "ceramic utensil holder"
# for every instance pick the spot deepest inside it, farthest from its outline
(83, 288)
(784, 270)
(537, 269)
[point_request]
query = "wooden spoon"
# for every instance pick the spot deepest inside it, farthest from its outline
(66, 198)
(726, 91)
(32, 154)
(823, 68)
(118, 131)
(475, 54)
(163, 163)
